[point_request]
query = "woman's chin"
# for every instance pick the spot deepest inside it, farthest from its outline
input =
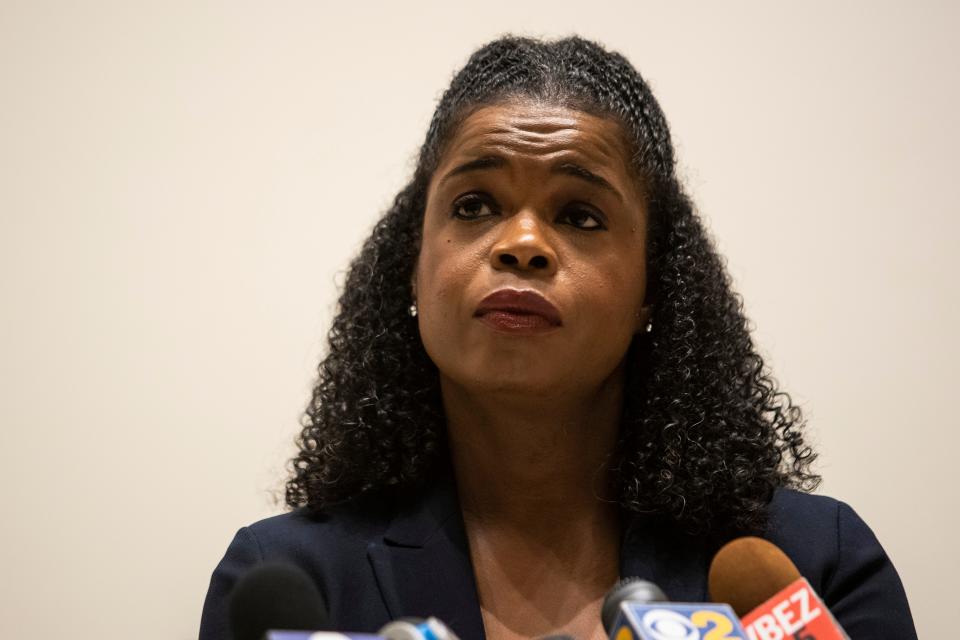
(504, 383)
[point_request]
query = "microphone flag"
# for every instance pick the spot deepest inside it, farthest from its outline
(677, 621)
(793, 613)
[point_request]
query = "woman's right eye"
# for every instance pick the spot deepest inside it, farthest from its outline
(472, 207)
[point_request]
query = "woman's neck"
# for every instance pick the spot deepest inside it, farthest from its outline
(533, 463)
(543, 533)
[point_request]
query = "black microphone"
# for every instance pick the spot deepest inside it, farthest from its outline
(275, 596)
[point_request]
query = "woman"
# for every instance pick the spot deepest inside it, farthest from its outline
(539, 380)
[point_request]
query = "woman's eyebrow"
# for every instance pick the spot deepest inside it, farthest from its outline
(575, 170)
(564, 167)
(479, 164)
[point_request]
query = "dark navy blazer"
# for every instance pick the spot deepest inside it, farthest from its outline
(374, 563)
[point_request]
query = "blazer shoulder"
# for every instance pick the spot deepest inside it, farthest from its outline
(813, 531)
(803, 517)
(330, 546)
(838, 553)
(307, 533)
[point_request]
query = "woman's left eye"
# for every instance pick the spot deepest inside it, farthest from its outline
(583, 219)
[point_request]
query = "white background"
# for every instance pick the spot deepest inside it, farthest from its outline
(182, 185)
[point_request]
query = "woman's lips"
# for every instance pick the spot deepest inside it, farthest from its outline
(517, 311)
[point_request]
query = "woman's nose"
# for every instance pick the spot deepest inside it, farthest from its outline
(524, 246)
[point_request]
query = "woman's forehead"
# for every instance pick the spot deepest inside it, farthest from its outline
(542, 129)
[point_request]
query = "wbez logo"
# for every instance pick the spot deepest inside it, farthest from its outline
(795, 613)
(680, 622)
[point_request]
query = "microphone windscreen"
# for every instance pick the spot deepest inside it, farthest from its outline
(748, 571)
(275, 596)
(632, 590)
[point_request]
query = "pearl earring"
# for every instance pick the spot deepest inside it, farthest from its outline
(413, 310)
(649, 326)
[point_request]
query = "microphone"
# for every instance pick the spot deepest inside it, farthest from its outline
(628, 589)
(275, 596)
(417, 629)
(402, 629)
(280, 602)
(767, 591)
(637, 609)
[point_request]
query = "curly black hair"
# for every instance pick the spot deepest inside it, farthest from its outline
(706, 435)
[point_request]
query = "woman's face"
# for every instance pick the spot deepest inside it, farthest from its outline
(532, 201)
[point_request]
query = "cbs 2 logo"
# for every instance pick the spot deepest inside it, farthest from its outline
(663, 624)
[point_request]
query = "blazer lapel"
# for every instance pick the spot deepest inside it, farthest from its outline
(675, 562)
(423, 568)
(422, 564)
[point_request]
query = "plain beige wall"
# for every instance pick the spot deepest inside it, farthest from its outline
(183, 183)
